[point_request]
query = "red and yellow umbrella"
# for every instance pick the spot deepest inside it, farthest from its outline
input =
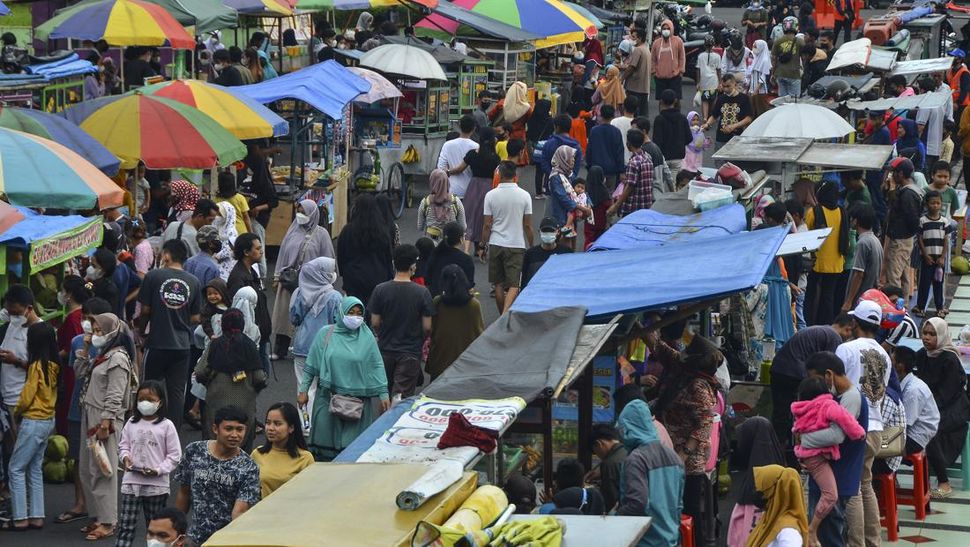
(123, 23)
(163, 133)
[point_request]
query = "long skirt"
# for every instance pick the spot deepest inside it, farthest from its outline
(330, 434)
(281, 316)
(100, 492)
(474, 202)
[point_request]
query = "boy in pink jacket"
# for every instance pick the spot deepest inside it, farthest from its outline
(815, 410)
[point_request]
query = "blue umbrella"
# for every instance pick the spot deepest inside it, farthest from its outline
(58, 129)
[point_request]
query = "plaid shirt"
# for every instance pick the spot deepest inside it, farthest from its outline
(639, 178)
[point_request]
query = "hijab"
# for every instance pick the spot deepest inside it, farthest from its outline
(455, 286)
(296, 235)
(944, 342)
(440, 197)
(804, 190)
(540, 122)
(611, 90)
(911, 139)
(762, 57)
(698, 139)
(595, 186)
(563, 161)
(184, 195)
(117, 333)
(316, 283)
(245, 301)
(757, 445)
(828, 198)
(699, 360)
(516, 103)
(364, 21)
(226, 223)
(349, 361)
(784, 507)
(233, 351)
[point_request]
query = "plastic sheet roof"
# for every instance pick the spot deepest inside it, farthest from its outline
(326, 86)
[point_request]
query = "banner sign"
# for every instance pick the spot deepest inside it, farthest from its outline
(604, 382)
(45, 253)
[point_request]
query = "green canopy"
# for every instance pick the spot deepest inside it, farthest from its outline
(205, 15)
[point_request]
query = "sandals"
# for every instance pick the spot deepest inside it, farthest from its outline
(942, 313)
(916, 312)
(100, 532)
(90, 527)
(9, 526)
(938, 494)
(69, 516)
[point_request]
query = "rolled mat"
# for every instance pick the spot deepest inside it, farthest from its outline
(439, 476)
(479, 510)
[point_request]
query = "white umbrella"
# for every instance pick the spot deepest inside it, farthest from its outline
(380, 87)
(799, 120)
(403, 60)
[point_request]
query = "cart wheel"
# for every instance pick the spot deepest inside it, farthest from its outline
(397, 188)
(409, 192)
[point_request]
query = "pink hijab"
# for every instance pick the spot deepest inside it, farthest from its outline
(440, 194)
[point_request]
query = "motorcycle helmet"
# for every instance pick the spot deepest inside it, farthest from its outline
(839, 90)
(704, 21)
(709, 40)
(718, 25)
(789, 24)
(735, 39)
(816, 91)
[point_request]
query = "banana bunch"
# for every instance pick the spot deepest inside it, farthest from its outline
(411, 155)
(541, 532)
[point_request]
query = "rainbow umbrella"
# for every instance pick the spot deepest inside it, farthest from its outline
(122, 23)
(256, 7)
(56, 128)
(163, 133)
(360, 4)
(554, 20)
(240, 115)
(36, 172)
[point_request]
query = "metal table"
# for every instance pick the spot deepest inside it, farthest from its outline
(584, 531)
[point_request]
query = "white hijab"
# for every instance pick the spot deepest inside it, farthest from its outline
(245, 301)
(762, 57)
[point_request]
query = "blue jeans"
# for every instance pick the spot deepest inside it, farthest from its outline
(800, 311)
(831, 532)
(26, 466)
(789, 87)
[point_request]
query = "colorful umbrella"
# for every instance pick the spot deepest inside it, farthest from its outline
(4, 10)
(359, 4)
(553, 19)
(56, 128)
(256, 7)
(238, 114)
(9, 215)
(163, 133)
(122, 23)
(36, 172)
(380, 87)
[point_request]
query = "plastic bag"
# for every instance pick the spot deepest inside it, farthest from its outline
(100, 455)
(965, 334)
(697, 99)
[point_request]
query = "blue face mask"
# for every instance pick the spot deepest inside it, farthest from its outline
(17, 269)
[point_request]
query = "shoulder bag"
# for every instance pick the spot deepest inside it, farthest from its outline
(345, 407)
(290, 276)
(893, 442)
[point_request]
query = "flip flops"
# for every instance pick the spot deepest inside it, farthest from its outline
(69, 516)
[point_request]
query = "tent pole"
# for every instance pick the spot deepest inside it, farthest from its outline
(648, 40)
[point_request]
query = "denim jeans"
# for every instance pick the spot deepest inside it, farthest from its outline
(831, 530)
(800, 311)
(26, 467)
(789, 87)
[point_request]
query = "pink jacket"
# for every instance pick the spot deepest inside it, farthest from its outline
(818, 414)
(669, 57)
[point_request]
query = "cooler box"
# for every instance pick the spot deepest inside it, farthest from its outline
(880, 29)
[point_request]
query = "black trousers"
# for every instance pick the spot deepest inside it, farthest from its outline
(821, 301)
(700, 502)
(669, 83)
(644, 102)
(846, 26)
(937, 461)
(927, 279)
(784, 392)
(169, 366)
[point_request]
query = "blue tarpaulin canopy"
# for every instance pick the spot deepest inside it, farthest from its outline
(648, 228)
(327, 87)
(658, 277)
(35, 227)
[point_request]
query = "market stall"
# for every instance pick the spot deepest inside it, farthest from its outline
(50, 86)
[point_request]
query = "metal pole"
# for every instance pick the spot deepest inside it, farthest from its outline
(648, 40)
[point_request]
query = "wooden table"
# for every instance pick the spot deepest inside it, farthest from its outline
(586, 531)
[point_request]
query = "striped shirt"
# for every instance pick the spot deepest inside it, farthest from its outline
(933, 232)
(905, 329)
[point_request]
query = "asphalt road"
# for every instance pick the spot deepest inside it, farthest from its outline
(282, 387)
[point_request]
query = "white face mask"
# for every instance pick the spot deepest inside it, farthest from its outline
(159, 543)
(548, 237)
(99, 341)
(353, 322)
(18, 321)
(302, 219)
(665, 33)
(86, 326)
(62, 299)
(93, 273)
(148, 408)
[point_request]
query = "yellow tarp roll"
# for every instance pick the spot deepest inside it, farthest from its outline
(342, 504)
(479, 510)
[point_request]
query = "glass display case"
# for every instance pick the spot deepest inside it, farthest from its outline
(424, 108)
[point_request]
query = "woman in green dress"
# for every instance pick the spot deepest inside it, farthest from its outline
(346, 361)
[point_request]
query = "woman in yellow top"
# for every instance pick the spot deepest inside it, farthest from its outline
(36, 407)
(822, 303)
(285, 453)
(227, 192)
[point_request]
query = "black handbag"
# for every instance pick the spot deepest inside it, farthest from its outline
(289, 277)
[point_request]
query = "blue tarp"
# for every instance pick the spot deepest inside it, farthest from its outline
(4, 10)
(71, 65)
(35, 227)
(647, 228)
(658, 277)
(326, 86)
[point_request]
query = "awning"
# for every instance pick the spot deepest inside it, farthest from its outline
(485, 25)
(326, 86)
(205, 15)
(937, 99)
(846, 156)
(860, 53)
(804, 152)
(647, 228)
(658, 277)
(35, 227)
(922, 66)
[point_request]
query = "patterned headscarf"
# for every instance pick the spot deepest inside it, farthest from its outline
(184, 195)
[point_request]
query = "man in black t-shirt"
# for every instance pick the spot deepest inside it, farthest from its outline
(401, 313)
(170, 301)
(731, 111)
(536, 256)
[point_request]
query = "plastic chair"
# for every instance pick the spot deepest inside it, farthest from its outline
(686, 531)
(885, 487)
(919, 495)
(964, 468)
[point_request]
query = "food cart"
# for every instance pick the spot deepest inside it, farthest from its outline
(43, 245)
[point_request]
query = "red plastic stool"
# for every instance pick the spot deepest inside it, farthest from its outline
(919, 495)
(885, 487)
(686, 531)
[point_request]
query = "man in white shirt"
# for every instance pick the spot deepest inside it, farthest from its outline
(17, 315)
(625, 122)
(507, 226)
(453, 154)
(868, 366)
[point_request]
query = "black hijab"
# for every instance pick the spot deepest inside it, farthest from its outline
(540, 123)
(579, 501)
(595, 188)
(757, 446)
(455, 287)
(233, 351)
(828, 198)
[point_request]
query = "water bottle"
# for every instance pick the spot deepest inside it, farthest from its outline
(306, 420)
(939, 274)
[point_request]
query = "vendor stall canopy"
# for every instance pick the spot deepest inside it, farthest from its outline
(647, 228)
(653, 278)
(261, 7)
(380, 87)
(123, 23)
(36, 227)
(204, 15)
(56, 128)
(327, 87)
(4, 10)
(470, 23)
(360, 4)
